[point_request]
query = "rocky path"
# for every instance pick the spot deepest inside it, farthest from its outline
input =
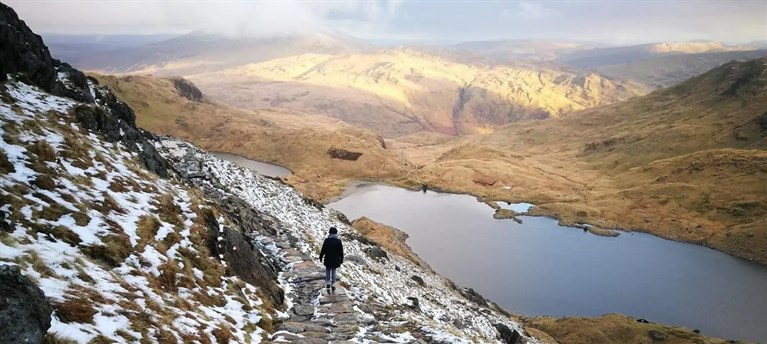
(317, 317)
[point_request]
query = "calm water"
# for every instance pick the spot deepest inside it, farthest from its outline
(266, 169)
(540, 268)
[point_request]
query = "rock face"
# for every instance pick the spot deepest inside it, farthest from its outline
(119, 125)
(187, 89)
(243, 259)
(338, 153)
(23, 51)
(25, 313)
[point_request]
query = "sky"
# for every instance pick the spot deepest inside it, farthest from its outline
(416, 21)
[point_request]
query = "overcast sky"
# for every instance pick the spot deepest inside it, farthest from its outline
(619, 22)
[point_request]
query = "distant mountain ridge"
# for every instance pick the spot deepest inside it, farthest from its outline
(401, 91)
(201, 51)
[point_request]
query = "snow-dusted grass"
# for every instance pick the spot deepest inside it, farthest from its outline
(79, 208)
(387, 283)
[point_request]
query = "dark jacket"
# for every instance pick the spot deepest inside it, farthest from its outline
(332, 251)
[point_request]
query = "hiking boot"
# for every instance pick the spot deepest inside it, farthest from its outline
(328, 288)
(333, 289)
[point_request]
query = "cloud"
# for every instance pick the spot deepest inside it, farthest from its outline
(234, 17)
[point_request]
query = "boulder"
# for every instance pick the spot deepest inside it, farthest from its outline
(507, 335)
(656, 336)
(187, 89)
(356, 259)
(376, 252)
(25, 313)
(418, 280)
(338, 153)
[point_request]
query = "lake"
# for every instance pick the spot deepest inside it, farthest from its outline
(541, 268)
(263, 168)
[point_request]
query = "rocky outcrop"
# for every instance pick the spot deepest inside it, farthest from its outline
(187, 89)
(117, 124)
(24, 54)
(508, 335)
(25, 313)
(762, 121)
(243, 259)
(338, 153)
(22, 51)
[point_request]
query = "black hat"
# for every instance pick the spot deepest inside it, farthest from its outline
(333, 230)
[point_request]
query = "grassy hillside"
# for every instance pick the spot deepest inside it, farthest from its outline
(687, 163)
(298, 141)
(399, 92)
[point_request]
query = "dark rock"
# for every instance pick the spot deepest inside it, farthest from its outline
(414, 304)
(338, 153)
(117, 124)
(25, 313)
(376, 252)
(22, 51)
(303, 310)
(6, 226)
(75, 84)
(381, 141)
(762, 122)
(696, 331)
(187, 89)
(418, 280)
(292, 327)
(656, 336)
(356, 259)
(643, 321)
(507, 335)
(473, 296)
(243, 260)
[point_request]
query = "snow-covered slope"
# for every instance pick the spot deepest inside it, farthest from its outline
(125, 255)
(384, 285)
(117, 250)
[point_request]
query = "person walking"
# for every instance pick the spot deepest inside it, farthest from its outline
(332, 255)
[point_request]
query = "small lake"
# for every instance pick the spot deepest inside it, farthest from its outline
(541, 268)
(263, 168)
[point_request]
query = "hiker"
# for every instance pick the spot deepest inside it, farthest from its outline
(333, 253)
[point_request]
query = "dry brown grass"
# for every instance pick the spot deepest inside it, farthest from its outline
(34, 260)
(107, 205)
(167, 279)
(5, 165)
(222, 334)
(79, 310)
(52, 338)
(168, 210)
(146, 228)
(392, 239)
(42, 151)
(60, 232)
(44, 182)
(612, 329)
(115, 249)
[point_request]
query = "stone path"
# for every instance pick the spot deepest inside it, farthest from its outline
(316, 316)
